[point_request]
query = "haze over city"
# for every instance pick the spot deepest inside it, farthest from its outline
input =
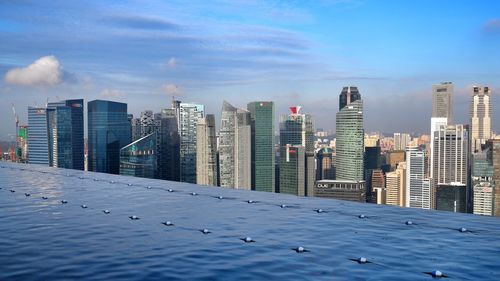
(291, 52)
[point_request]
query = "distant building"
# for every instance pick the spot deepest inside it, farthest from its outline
(263, 159)
(297, 153)
(135, 124)
(168, 145)
(206, 152)
(451, 197)
(65, 134)
(495, 155)
(394, 157)
(395, 183)
(350, 136)
(325, 169)
(482, 181)
(235, 148)
(139, 159)
(147, 123)
(108, 132)
(418, 188)
(38, 141)
(188, 115)
(378, 189)
(442, 101)
(480, 117)
(451, 154)
(401, 140)
(341, 189)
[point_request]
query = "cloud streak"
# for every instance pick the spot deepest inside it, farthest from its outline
(45, 71)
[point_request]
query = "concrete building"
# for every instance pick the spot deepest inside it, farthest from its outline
(350, 136)
(495, 156)
(206, 152)
(418, 189)
(401, 140)
(378, 189)
(482, 181)
(395, 183)
(325, 169)
(394, 157)
(480, 117)
(235, 150)
(442, 101)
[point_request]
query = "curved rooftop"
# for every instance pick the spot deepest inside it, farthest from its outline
(92, 226)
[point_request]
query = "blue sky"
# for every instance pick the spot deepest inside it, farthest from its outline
(292, 52)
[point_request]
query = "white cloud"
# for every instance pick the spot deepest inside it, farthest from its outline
(112, 93)
(172, 90)
(45, 71)
(172, 62)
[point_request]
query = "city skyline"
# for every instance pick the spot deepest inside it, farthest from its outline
(289, 53)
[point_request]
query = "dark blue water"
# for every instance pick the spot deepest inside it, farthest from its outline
(44, 239)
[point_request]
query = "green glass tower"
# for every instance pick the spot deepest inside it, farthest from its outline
(262, 126)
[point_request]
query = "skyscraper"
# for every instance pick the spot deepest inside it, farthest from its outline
(480, 117)
(108, 132)
(38, 146)
(482, 180)
(263, 158)
(495, 154)
(450, 159)
(401, 140)
(139, 159)
(167, 140)
(442, 101)
(147, 123)
(396, 186)
(297, 153)
(65, 134)
(418, 188)
(206, 151)
(235, 151)
(350, 135)
(325, 169)
(188, 115)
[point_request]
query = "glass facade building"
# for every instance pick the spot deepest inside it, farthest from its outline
(350, 136)
(167, 139)
(139, 159)
(65, 134)
(263, 158)
(38, 146)
(108, 131)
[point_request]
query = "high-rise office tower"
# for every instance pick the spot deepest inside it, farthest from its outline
(135, 124)
(372, 161)
(206, 151)
(482, 181)
(480, 117)
(65, 134)
(325, 169)
(38, 146)
(495, 156)
(188, 115)
(147, 123)
(139, 159)
(436, 124)
(451, 153)
(167, 140)
(418, 188)
(401, 140)
(263, 162)
(442, 101)
(108, 132)
(350, 136)
(235, 152)
(297, 153)
(396, 186)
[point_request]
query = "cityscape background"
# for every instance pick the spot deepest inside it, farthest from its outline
(351, 100)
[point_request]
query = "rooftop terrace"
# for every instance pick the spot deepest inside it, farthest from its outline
(65, 224)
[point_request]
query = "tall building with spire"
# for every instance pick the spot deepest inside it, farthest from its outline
(297, 153)
(235, 153)
(350, 135)
(480, 117)
(263, 163)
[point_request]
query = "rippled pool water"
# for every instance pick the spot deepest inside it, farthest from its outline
(42, 238)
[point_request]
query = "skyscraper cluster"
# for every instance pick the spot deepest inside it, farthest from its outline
(454, 168)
